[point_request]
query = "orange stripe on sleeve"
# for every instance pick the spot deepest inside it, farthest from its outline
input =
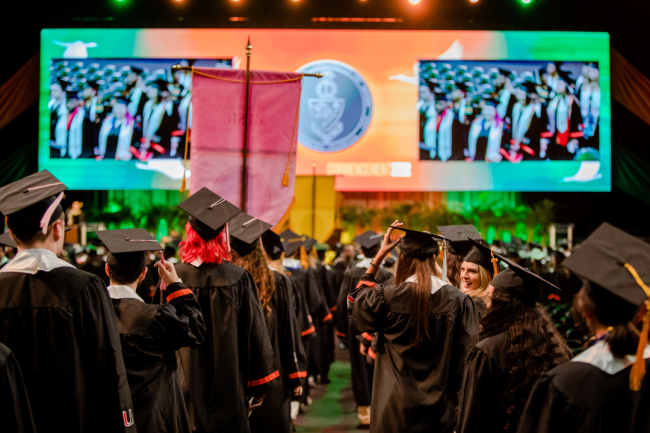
(333, 309)
(179, 294)
(264, 380)
(366, 283)
(371, 353)
(367, 336)
(298, 374)
(328, 317)
(340, 334)
(307, 331)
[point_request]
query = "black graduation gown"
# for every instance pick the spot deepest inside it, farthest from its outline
(15, 410)
(90, 133)
(480, 306)
(163, 135)
(62, 329)
(236, 359)
(480, 408)
(307, 281)
(538, 126)
(150, 336)
(306, 331)
(327, 334)
(578, 397)
(414, 389)
(361, 371)
(54, 120)
(558, 151)
(274, 416)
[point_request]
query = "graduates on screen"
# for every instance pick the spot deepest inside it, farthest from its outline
(605, 388)
(486, 135)
(426, 329)
(75, 123)
(518, 342)
(151, 334)
(438, 129)
(92, 117)
(59, 321)
(116, 136)
(160, 122)
(58, 119)
(529, 122)
(228, 375)
(278, 305)
(565, 123)
(361, 371)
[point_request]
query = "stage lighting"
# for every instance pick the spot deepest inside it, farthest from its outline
(525, 1)
(473, 1)
(414, 2)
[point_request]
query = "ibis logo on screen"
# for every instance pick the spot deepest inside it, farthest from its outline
(335, 110)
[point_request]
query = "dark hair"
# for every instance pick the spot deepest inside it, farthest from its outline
(611, 311)
(454, 262)
(27, 236)
(422, 269)
(534, 346)
(258, 266)
(128, 269)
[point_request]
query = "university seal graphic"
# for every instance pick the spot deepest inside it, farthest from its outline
(335, 110)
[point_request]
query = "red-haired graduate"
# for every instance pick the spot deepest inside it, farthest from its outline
(229, 374)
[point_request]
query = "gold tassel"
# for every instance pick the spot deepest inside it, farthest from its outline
(285, 178)
(638, 369)
(183, 183)
(187, 140)
(495, 263)
(303, 257)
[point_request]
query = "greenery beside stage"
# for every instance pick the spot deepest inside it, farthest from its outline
(528, 223)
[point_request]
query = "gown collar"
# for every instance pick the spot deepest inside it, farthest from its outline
(436, 283)
(33, 260)
(122, 292)
(291, 264)
(364, 263)
(601, 357)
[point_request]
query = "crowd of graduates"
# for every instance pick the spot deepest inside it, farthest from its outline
(469, 114)
(231, 331)
(106, 112)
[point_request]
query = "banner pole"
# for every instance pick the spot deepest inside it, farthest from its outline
(246, 109)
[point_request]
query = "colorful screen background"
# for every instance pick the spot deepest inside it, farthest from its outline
(386, 158)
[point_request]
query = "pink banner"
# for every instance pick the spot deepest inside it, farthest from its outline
(218, 137)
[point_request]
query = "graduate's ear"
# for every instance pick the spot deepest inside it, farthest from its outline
(143, 274)
(106, 270)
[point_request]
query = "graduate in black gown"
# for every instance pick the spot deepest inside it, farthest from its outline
(279, 311)
(306, 280)
(305, 331)
(476, 274)
(231, 371)
(15, 410)
(518, 343)
(426, 329)
(361, 371)
(604, 389)
(529, 127)
(58, 320)
(151, 334)
(116, 133)
(457, 247)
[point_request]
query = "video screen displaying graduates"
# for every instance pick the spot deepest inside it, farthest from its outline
(508, 111)
(121, 109)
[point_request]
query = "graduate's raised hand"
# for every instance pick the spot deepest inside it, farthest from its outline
(167, 272)
(389, 244)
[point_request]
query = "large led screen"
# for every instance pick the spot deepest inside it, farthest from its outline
(394, 111)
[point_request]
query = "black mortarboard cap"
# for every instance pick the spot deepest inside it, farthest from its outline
(160, 84)
(602, 257)
(440, 94)
(491, 101)
(128, 246)
(369, 239)
(516, 281)
(245, 230)
(481, 258)
(272, 244)
(208, 213)
(309, 243)
(5, 240)
(29, 191)
(566, 76)
(137, 70)
(461, 86)
(94, 84)
(291, 241)
(529, 86)
(419, 245)
(456, 238)
(72, 93)
(128, 241)
(120, 99)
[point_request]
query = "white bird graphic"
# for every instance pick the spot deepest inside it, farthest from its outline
(454, 52)
(76, 49)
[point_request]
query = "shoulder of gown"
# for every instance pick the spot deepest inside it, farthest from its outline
(224, 274)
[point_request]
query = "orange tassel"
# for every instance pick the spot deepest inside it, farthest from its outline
(495, 263)
(303, 257)
(183, 183)
(285, 178)
(638, 369)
